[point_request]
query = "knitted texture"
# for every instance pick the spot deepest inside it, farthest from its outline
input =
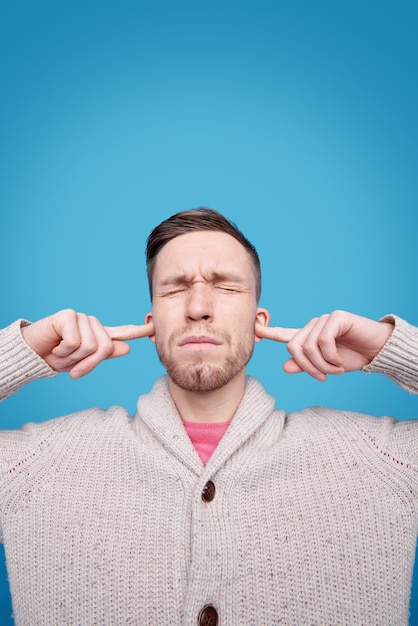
(313, 520)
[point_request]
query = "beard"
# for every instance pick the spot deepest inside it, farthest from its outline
(197, 374)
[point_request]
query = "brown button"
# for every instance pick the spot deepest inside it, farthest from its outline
(208, 492)
(208, 616)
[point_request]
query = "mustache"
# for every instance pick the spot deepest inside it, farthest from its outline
(203, 330)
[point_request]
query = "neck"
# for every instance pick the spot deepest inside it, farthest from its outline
(206, 407)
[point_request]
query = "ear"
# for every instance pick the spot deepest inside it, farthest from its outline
(262, 317)
(147, 319)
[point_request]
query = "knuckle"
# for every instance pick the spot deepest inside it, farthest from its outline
(89, 346)
(290, 347)
(107, 350)
(310, 347)
(72, 344)
(337, 313)
(68, 313)
(324, 338)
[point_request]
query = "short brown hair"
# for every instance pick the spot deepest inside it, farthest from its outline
(201, 218)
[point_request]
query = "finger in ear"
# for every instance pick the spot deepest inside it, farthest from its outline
(148, 319)
(263, 318)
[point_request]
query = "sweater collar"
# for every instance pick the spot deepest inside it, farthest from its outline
(158, 411)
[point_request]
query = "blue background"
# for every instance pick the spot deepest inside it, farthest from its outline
(296, 119)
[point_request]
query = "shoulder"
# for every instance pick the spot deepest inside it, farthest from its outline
(76, 430)
(381, 437)
(95, 421)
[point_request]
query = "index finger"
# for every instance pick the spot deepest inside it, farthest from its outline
(130, 331)
(276, 333)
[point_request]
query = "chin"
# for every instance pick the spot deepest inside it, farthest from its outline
(201, 377)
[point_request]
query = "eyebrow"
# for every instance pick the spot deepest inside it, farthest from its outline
(213, 277)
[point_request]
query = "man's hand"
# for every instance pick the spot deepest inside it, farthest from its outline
(77, 343)
(331, 344)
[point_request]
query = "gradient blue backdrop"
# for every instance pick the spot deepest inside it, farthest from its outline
(296, 119)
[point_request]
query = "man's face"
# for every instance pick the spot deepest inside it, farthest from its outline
(204, 309)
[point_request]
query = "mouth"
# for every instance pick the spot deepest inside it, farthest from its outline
(199, 342)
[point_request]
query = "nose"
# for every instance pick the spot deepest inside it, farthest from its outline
(199, 305)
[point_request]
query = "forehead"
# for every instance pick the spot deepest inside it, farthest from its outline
(202, 252)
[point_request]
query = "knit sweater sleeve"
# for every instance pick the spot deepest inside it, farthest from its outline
(398, 359)
(19, 364)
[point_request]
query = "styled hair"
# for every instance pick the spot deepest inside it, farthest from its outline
(199, 219)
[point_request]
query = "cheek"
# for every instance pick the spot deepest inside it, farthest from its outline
(243, 332)
(162, 318)
(243, 318)
(165, 330)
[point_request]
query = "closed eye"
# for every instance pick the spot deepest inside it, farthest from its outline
(228, 289)
(174, 292)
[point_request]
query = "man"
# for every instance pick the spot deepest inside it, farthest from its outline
(209, 506)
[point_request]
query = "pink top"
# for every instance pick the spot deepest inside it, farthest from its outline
(205, 437)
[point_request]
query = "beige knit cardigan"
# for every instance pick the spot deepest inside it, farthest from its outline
(313, 521)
